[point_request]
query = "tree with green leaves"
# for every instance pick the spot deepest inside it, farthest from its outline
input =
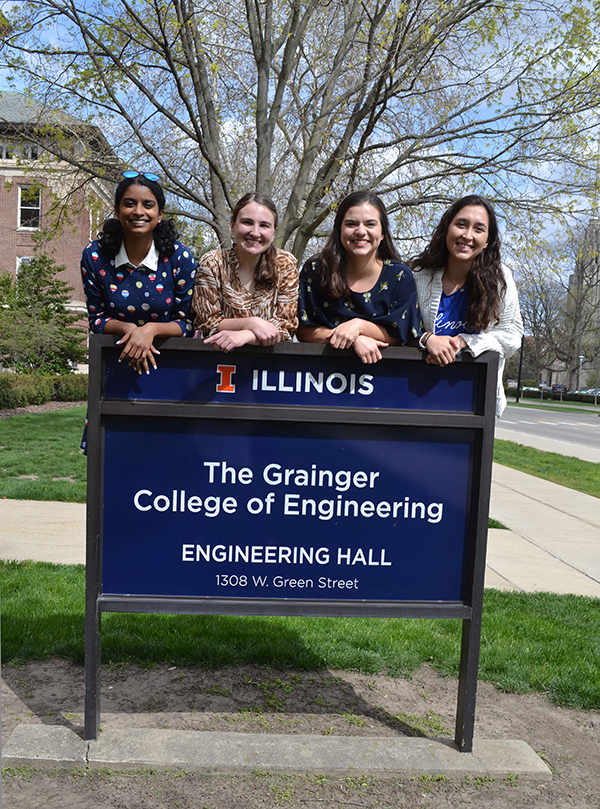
(37, 332)
(305, 100)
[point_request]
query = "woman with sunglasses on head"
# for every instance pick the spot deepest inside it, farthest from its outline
(357, 293)
(138, 279)
(247, 294)
(468, 299)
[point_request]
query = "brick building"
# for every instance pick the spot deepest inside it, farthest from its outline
(46, 203)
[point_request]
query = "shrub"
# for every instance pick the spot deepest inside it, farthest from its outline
(20, 390)
(587, 398)
(7, 398)
(72, 388)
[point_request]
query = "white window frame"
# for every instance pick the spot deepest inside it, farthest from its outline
(11, 150)
(21, 260)
(22, 207)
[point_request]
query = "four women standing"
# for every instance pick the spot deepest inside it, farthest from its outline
(139, 282)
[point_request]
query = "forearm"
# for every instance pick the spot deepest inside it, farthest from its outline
(368, 329)
(250, 339)
(170, 329)
(314, 334)
(118, 328)
(235, 324)
(503, 340)
(149, 330)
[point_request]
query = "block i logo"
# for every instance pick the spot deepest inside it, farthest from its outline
(226, 372)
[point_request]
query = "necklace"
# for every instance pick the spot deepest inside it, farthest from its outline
(450, 286)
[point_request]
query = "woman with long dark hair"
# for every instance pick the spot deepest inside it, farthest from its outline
(468, 299)
(247, 294)
(357, 293)
(137, 278)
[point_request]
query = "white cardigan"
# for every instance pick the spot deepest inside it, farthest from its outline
(503, 337)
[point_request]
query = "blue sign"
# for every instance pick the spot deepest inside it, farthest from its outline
(220, 508)
(298, 379)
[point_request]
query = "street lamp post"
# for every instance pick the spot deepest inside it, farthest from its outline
(520, 370)
(581, 359)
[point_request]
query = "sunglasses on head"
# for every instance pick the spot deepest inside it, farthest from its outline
(147, 174)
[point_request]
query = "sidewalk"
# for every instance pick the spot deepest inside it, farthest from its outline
(554, 541)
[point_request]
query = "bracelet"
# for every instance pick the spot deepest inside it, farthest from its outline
(423, 340)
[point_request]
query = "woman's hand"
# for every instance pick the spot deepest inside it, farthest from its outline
(444, 350)
(266, 333)
(228, 339)
(367, 349)
(138, 350)
(242, 331)
(345, 335)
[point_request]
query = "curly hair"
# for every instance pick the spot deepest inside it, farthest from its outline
(331, 262)
(165, 233)
(485, 284)
(265, 271)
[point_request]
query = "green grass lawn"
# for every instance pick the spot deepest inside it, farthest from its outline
(40, 457)
(554, 404)
(584, 476)
(531, 642)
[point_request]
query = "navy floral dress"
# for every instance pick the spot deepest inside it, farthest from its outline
(391, 303)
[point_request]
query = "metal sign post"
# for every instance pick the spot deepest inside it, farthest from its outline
(289, 481)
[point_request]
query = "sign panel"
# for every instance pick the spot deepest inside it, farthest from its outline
(290, 480)
(295, 379)
(286, 510)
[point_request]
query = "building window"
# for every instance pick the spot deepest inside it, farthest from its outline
(22, 261)
(30, 199)
(28, 151)
(12, 151)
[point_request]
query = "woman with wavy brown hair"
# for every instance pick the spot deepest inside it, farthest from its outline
(247, 294)
(468, 300)
(357, 293)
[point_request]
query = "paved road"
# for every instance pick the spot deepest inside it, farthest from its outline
(581, 429)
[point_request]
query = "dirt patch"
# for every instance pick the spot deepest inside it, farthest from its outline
(44, 408)
(258, 700)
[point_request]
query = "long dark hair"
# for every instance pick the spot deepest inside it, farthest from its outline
(331, 262)
(485, 284)
(265, 271)
(165, 233)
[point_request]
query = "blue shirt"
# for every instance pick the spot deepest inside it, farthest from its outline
(158, 293)
(451, 316)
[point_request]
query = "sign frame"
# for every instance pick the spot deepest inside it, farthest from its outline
(478, 420)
